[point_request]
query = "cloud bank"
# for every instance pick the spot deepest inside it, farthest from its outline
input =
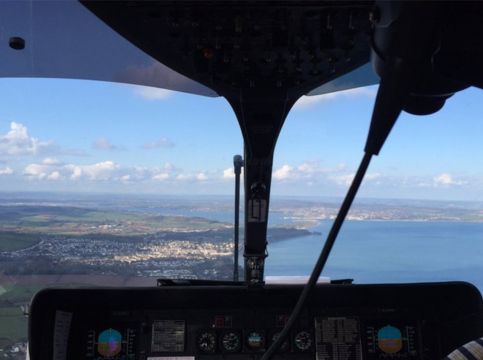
(18, 142)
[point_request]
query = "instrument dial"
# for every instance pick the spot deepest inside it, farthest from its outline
(231, 342)
(303, 341)
(206, 342)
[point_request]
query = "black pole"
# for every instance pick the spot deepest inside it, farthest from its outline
(237, 165)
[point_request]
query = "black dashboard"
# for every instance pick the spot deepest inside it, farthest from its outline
(410, 321)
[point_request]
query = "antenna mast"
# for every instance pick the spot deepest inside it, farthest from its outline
(237, 165)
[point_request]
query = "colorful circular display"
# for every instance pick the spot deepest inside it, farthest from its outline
(256, 340)
(109, 343)
(389, 339)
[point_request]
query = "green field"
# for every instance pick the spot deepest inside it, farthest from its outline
(72, 221)
(18, 294)
(13, 326)
(13, 323)
(11, 241)
(24, 226)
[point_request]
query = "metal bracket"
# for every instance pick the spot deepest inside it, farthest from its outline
(255, 264)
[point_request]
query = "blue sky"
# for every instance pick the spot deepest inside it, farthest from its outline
(73, 135)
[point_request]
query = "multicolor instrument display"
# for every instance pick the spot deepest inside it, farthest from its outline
(392, 341)
(111, 343)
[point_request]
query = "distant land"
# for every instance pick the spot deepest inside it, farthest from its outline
(55, 239)
(168, 236)
(125, 240)
(314, 208)
(57, 242)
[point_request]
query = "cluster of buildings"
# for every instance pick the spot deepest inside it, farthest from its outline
(15, 351)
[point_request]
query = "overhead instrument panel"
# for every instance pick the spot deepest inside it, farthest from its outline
(342, 322)
(231, 46)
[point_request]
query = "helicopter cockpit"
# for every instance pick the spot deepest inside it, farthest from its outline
(262, 56)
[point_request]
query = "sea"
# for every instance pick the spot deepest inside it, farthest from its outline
(378, 251)
(387, 252)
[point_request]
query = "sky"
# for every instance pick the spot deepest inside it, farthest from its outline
(88, 136)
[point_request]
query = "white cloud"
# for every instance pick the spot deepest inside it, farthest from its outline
(169, 167)
(229, 173)
(76, 172)
(315, 169)
(161, 177)
(109, 172)
(201, 177)
(42, 172)
(100, 171)
(55, 175)
(17, 141)
(308, 167)
(443, 179)
(52, 170)
(285, 172)
(36, 171)
(446, 180)
(152, 93)
(184, 177)
(125, 179)
(344, 180)
(6, 171)
(139, 173)
(51, 161)
(104, 144)
(160, 143)
(309, 101)
(311, 172)
(372, 176)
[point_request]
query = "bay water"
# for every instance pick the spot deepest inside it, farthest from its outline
(375, 251)
(387, 252)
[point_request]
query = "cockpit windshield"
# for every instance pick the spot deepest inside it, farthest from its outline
(118, 185)
(114, 171)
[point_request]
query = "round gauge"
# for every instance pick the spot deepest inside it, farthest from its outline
(303, 341)
(255, 340)
(284, 346)
(231, 342)
(206, 342)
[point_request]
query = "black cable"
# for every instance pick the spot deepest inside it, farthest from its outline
(324, 254)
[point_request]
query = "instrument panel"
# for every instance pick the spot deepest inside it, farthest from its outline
(240, 323)
(158, 335)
